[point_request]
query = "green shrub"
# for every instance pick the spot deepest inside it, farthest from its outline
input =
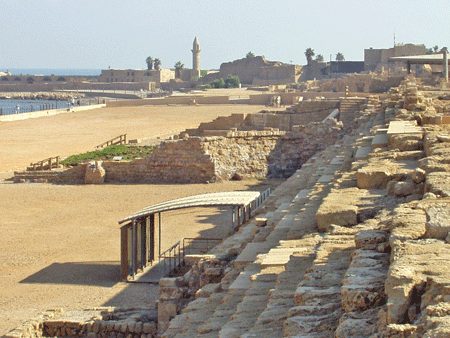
(232, 81)
(218, 83)
(127, 152)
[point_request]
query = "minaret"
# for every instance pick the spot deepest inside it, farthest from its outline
(196, 59)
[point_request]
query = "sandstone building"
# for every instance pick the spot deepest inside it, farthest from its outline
(376, 58)
(136, 75)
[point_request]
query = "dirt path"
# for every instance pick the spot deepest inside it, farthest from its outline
(60, 243)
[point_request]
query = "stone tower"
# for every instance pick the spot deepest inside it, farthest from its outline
(196, 59)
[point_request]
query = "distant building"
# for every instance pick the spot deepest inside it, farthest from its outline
(136, 75)
(257, 71)
(376, 58)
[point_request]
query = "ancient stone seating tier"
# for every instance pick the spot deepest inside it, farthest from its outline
(260, 298)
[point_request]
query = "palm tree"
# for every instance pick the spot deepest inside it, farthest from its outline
(157, 63)
(178, 69)
(250, 55)
(309, 55)
(149, 61)
(340, 57)
(319, 58)
(436, 48)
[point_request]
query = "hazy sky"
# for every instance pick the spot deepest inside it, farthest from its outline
(121, 34)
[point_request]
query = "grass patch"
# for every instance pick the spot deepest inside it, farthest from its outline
(128, 153)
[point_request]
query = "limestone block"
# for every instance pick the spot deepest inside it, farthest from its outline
(207, 290)
(406, 142)
(357, 324)
(375, 176)
(190, 260)
(438, 224)
(438, 183)
(407, 223)
(400, 330)
(443, 138)
(402, 189)
(167, 309)
(343, 215)
(95, 173)
(170, 293)
(422, 266)
(149, 328)
(213, 271)
(430, 118)
(418, 175)
(261, 222)
(167, 282)
(370, 239)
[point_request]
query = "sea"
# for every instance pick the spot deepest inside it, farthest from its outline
(25, 106)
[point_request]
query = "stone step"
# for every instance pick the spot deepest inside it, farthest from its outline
(213, 323)
(362, 153)
(253, 303)
(318, 296)
(380, 141)
(279, 257)
(281, 298)
(363, 291)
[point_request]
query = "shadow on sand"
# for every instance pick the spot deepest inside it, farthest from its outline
(103, 274)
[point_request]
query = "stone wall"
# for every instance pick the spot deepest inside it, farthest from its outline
(191, 99)
(235, 155)
(97, 322)
(242, 153)
(182, 161)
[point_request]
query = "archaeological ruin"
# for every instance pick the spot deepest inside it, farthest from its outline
(353, 243)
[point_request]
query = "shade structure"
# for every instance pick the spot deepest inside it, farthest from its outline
(141, 234)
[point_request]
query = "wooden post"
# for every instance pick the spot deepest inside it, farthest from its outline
(143, 228)
(134, 267)
(159, 239)
(152, 238)
(124, 252)
(50, 163)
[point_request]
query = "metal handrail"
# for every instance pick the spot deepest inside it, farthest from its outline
(173, 257)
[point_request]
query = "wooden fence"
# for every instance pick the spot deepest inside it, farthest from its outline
(47, 164)
(121, 139)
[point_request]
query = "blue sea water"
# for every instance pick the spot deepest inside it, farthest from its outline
(8, 107)
(50, 71)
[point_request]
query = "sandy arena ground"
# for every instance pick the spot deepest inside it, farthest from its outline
(60, 244)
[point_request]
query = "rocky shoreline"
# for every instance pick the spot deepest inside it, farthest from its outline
(57, 96)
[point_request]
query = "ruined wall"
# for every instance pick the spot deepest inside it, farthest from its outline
(182, 161)
(191, 99)
(239, 154)
(243, 153)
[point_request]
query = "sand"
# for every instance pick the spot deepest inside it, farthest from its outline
(60, 244)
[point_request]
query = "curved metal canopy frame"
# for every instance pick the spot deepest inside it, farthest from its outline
(234, 198)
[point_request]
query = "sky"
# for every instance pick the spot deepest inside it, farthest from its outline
(122, 34)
